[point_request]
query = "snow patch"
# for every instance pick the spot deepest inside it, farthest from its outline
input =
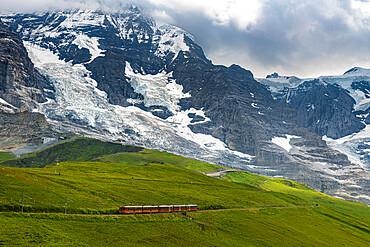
(6, 107)
(182, 121)
(2, 101)
(348, 145)
(284, 142)
(41, 56)
(171, 40)
(254, 105)
(83, 18)
(92, 44)
(158, 90)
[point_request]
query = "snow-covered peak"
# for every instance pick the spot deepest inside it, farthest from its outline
(133, 26)
(171, 40)
(95, 29)
(62, 31)
(357, 71)
(81, 18)
(175, 31)
(277, 82)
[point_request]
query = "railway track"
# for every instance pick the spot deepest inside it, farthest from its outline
(178, 213)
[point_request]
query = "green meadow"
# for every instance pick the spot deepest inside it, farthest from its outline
(297, 189)
(6, 156)
(258, 227)
(88, 185)
(79, 207)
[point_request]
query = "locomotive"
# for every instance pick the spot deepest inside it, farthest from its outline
(156, 209)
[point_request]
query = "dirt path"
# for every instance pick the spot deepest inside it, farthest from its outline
(220, 172)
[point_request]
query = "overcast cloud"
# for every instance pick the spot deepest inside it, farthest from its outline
(303, 38)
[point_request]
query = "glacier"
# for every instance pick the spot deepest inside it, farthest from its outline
(80, 106)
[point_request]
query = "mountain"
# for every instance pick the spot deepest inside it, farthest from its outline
(344, 124)
(119, 77)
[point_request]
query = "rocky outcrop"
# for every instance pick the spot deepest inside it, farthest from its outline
(24, 129)
(21, 86)
(21, 89)
(243, 112)
(326, 109)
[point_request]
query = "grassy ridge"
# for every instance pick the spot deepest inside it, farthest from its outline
(263, 227)
(6, 156)
(285, 186)
(81, 149)
(85, 149)
(147, 156)
(297, 189)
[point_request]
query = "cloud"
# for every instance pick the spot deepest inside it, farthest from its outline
(161, 16)
(221, 12)
(306, 37)
(43, 5)
(362, 7)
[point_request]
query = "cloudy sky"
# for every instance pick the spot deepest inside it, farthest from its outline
(303, 38)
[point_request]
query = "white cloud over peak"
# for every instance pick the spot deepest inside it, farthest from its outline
(362, 7)
(221, 12)
(303, 38)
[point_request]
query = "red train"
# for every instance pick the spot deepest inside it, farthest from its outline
(156, 209)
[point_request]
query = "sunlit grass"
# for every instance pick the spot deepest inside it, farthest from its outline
(297, 189)
(6, 156)
(258, 227)
(84, 183)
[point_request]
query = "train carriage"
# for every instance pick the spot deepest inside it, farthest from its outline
(156, 209)
(164, 208)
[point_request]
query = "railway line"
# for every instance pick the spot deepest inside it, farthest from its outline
(174, 212)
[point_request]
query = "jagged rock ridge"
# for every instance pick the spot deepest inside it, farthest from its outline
(21, 86)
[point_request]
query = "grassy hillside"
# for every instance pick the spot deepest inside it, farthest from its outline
(293, 188)
(115, 163)
(97, 177)
(258, 227)
(81, 149)
(6, 156)
(85, 149)
(285, 186)
(84, 183)
(146, 155)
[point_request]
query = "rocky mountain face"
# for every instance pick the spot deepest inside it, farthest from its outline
(25, 132)
(20, 85)
(21, 89)
(311, 100)
(120, 77)
(344, 124)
